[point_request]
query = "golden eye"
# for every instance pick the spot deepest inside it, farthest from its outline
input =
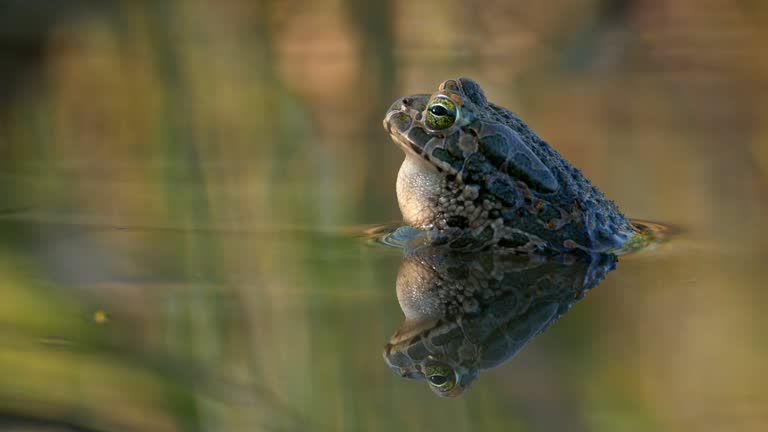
(441, 113)
(440, 377)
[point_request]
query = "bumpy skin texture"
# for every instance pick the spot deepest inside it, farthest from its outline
(465, 313)
(488, 180)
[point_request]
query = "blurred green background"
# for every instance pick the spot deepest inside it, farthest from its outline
(185, 186)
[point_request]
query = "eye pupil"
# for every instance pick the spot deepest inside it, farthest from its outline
(438, 110)
(438, 379)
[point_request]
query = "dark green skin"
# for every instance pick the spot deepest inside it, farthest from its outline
(470, 312)
(490, 181)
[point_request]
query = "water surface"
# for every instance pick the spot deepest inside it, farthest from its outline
(188, 192)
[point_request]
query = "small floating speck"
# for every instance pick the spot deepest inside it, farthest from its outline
(100, 317)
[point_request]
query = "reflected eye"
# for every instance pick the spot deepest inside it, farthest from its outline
(438, 380)
(440, 377)
(441, 113)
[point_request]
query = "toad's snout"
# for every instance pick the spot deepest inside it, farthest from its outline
(397, 122)
(403, 112)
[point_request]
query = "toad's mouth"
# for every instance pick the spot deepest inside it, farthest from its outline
(406, 145)
(407, 131)
(403, 128)
(403, 123)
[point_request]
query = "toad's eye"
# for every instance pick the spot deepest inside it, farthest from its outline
(441, 377)
(441, 113)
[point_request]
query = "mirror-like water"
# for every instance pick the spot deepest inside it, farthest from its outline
(192, 198)
(468, 312)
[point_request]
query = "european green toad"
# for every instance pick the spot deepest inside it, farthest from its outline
(475, 176)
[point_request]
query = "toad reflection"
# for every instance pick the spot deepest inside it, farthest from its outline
(468, 313)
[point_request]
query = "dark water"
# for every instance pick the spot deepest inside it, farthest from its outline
(187, 194)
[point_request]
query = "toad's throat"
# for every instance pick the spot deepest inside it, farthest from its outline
(419, 185)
